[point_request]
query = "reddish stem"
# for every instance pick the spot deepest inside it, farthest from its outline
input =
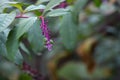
(21, 17)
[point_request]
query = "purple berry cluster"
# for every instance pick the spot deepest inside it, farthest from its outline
(32, 72)
(45, 32)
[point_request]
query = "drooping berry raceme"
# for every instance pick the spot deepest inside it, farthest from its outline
(32, 72)
(45, 32)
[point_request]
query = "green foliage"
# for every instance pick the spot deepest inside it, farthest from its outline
(6, 20)
(78, 71)
(33, 7)
(3, 50)
(57, 12)
(78, 6)
(42, 1)
(35, 37)
(17, 5)
(52, 4)
(68, 32)
(24, 25)
(69, 22)
(18, 27)
(3, 5)
(12, 45)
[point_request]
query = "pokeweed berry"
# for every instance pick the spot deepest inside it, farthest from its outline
(45, 32)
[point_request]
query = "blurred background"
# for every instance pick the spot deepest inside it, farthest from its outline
(86, 44)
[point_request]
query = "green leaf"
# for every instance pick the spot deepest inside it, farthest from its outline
(24, 25)
(23, 47)
(18, 58)
(70, 71)
(16, 4)
(78, 6)
(11, 2)
(6, 20)
(41, 1)
(57, 12)
(68, 31)
(34, 7)
(52, 4)
(3, 39)
(78, 71)
(3, 50)
(35, 37)
(12, 45)
(3, 5)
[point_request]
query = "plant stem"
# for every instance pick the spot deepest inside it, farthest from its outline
(21, 17)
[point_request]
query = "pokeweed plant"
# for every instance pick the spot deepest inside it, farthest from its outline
(25, 28)
(20, 21)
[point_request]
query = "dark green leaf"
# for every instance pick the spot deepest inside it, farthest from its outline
(17, 5)
(57, 12)
(78, 6)
(35, 37)
(52, 4)
(3, 39)
(34, 7)
(3, 5)
(23, 47)
(6, 20)
(78, 71)
(68, 31)
(24, 25)
(42, 1)
(18, 58)
(12, 45)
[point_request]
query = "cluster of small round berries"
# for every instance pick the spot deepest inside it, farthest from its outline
(32, 72)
